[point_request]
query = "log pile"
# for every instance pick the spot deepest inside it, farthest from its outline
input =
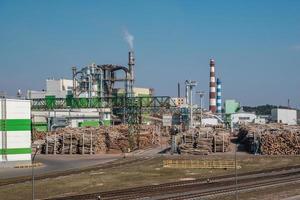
(270, 139)
(204, 141)
(93, 140)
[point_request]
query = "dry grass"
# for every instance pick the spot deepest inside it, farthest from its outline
(137, 174)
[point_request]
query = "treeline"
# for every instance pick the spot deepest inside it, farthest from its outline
(261, 110)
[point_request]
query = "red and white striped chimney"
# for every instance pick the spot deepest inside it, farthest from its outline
(212, 88)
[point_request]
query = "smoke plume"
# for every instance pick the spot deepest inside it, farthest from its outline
(129, 38)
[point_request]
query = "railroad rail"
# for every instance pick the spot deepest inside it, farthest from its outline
(233, 188)
(195, 188)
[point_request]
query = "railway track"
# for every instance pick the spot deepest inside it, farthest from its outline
(232, 189)
(196, 188)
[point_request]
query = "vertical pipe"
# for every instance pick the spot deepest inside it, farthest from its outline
(186, 92)
(71, 143)
(191, 108)
(101, 83)
(90, 90)
(178, 90)
(32, 176)
(219, 96)
(201, 107)
(54, 148)
(82, 143)
(74, 81)
(63, 143)
(47, 134)
(91, 147)
(235, 169)
(212, 87)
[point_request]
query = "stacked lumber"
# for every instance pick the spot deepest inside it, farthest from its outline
(52, 147)
(204, 141)
(193, 144)
(37, 135)
(91, 140)
(271, 139)
(221, 141)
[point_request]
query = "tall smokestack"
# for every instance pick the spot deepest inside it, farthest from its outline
(178, 90)
(131, 64)
(212, 87)
(131, 74)
(219, 96)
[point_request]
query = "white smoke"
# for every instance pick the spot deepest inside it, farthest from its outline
(128, 38)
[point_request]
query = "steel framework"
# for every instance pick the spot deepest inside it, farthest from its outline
(119, 102)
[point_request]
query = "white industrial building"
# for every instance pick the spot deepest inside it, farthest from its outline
(285, 116)
(50, 120)
(210, 122)
(58, 88)
(242, 118)
(260, 120)
(15, 128)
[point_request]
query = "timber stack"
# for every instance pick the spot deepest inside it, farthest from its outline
(205, 141)
(270, 139)
(93, 140)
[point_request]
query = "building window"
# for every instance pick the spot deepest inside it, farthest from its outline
(244, 118)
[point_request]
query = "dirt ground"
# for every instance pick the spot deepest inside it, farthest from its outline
(147, 172)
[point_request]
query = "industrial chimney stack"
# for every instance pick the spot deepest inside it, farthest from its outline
(131, 64)
(219, 96)
(212, 87)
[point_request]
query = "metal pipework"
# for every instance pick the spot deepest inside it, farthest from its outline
(98, 80)
(74, 71)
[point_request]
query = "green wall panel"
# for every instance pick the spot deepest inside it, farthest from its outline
(15, 151)
(89, 123)
(15, 125)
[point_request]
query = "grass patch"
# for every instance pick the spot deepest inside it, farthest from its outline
(135, 174)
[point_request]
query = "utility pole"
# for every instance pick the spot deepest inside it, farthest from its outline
(32, 170)
(189, 86)
(201, 95)
(235, 164)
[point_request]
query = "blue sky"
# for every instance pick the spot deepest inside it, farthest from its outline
(256, 44)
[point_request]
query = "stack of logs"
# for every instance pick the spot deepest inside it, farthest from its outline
(93, 140)
(270, 139)
(204, 141)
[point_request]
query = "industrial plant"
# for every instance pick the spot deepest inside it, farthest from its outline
(100, 111)
(178, 116)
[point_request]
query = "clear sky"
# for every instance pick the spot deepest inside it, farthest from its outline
(256, 44)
